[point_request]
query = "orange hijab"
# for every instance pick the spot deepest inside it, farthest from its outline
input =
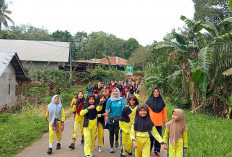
(177, 127)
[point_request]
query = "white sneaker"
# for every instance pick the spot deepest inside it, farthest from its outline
(99, 149)
(91, 155)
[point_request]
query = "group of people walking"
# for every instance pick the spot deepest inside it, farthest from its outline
(130, 124)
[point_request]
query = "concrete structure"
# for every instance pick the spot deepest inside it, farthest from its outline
(11, 70)
(36, 54)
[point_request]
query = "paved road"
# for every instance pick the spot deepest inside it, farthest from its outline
(39, 149)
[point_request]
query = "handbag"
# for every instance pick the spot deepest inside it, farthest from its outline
(114, 119)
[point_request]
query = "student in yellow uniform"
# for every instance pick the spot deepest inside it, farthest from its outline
(78, 119)
(124, 125)
(73, 100)
(55, 116)
(176, 135)
(137, 95)
(101, 100)
(89, 112)
(133, 104)
(141, 130)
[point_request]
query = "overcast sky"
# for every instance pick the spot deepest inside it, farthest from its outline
(144, 20)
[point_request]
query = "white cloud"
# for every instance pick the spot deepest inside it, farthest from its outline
(145, 20)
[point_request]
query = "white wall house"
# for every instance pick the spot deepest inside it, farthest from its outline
(11, 70)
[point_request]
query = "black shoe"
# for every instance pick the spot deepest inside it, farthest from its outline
(72, 145)
(129, 154)
(82, 142)
(58, 146)
(49, 151)
(122, 156)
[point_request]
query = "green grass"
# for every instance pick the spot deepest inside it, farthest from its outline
(207, 136)
(20, 130)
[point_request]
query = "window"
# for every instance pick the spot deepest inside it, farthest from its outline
(9, 90)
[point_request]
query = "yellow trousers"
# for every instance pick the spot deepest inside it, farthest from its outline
(144, 145)
(89, 135)
(52, 133)
(100, 134)
(78, 123)
(125, 140)
(176, 150)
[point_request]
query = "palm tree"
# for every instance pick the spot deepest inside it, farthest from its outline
(4, 12)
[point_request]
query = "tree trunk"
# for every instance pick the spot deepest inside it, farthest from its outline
(0, 25)
(186, 67)
(184, 86)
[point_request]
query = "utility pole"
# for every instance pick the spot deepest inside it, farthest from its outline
(70, 58)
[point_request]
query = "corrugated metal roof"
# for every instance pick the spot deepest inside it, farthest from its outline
(28, 50)
(5, 58)
(11, 57)
(113, 61)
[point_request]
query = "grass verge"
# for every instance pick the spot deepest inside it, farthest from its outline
(20, 130)
(208, 136)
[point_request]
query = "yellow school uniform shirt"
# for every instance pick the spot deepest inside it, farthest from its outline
(62, 114)
(137, 96)
(154, 132)
(77, 117)
(133, 114)
(92, 123)
(73, 100)
(184, 139)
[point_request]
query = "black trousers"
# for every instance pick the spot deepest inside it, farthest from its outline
(114, 130)
(154, 142)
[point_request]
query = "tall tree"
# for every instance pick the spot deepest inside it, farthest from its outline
(62, 36)
(4, 12)
(213, 10)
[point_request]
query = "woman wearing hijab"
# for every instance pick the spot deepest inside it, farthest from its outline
(89, 111)
(158, 114)
(124, 125)
(114, 107)
(140, 130)
(101, 100)
(55, 116)
(95, 89)
(78, 119)
(176, 135)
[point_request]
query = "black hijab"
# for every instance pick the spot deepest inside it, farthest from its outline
(131, 90)
(95, 88)
(92, 113)
(125, 114)
(120, 88)
(101, 119)
(143, 124)
(156, 103)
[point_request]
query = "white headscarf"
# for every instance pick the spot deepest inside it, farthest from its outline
(113, 98)
(54, 109)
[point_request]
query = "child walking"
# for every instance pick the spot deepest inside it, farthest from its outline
(73, 100)
(141, 130)
(78, 119)
(175, 136)
(89, 112)
(55, 116)
(124, 125)
(101, 100)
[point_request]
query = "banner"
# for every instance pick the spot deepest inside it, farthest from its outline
(129, 69)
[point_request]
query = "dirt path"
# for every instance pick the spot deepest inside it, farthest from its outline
(39, 149)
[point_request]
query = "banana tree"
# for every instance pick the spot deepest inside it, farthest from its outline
(227, 102)
(182, 49)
